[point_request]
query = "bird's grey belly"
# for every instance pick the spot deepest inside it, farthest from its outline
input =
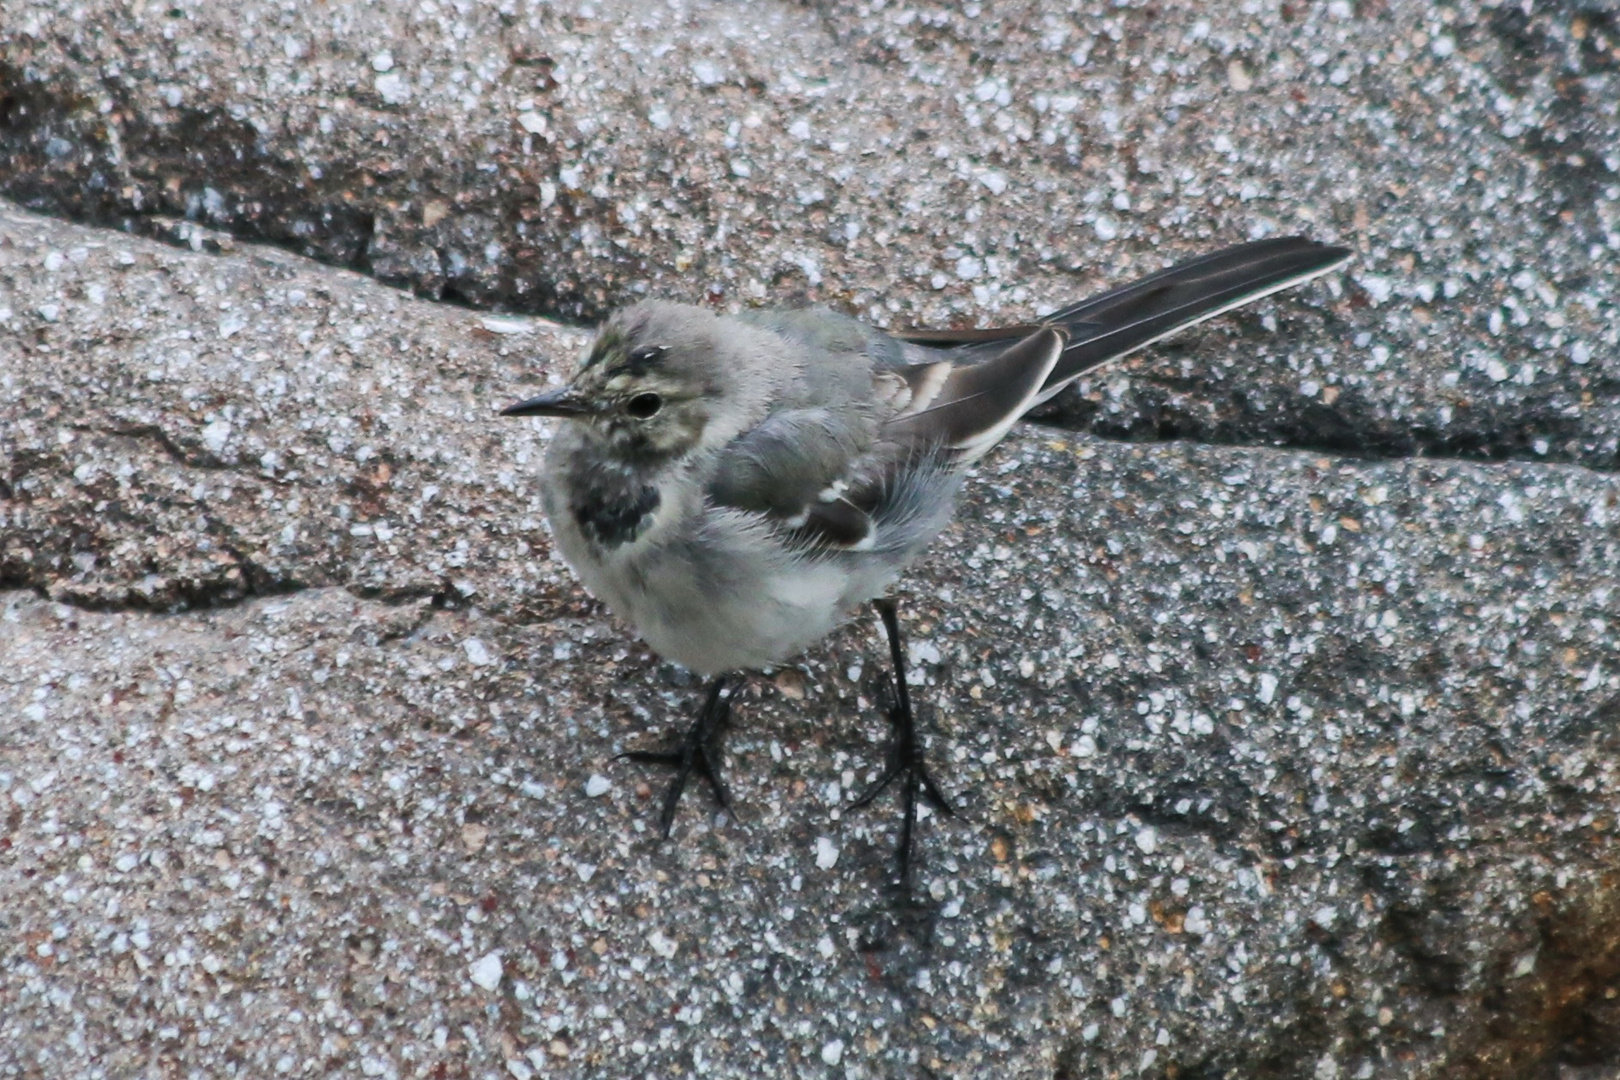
(721, 594)
(727, 631)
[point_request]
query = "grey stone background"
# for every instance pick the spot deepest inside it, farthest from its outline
(1275, 670)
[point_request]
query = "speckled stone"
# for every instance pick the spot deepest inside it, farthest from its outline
(911, 163)
(184, 428)
(1268, 763)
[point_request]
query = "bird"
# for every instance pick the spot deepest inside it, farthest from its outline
(737, 486)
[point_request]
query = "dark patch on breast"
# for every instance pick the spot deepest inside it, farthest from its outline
(615, 513)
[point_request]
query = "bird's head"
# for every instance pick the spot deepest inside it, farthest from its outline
(652, 384)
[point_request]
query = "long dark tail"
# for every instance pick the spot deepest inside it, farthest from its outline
(1123, 320)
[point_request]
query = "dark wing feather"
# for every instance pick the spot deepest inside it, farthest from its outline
(838, 523)
(794, 469)
(971, 406)
(900, 503)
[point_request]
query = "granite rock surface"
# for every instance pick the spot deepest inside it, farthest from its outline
(1274, 672)
(1268, 763)
(913, 164)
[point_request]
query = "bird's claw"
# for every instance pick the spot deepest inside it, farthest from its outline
(699, 752)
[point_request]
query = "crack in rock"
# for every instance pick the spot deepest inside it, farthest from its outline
(1476, 322)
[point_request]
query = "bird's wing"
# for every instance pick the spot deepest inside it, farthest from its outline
(876, 472)
(965, 408)
(796, 469)
(789, 460)
(932, 419)
(891, 502)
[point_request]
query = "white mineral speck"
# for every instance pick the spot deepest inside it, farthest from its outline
(383, 61)
(707, 72)
(1378, 288)
(1268, 688)
(1148, 840)
(996, 182)
(476, 652)
(922, 651)
(1105, 228)
(506, 324)
(826, 853)
(215, 435)
(486, 971)
(392, 88)
(1196, 922)
(662, 944)
(598, 785)
(833, 1052)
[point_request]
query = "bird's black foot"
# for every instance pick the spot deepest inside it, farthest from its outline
(904, 758)
(699, 752)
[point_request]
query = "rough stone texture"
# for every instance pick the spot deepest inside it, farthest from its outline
(183, 428)
(911, 163)
(1270, 764)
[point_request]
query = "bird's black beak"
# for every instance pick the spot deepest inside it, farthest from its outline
(563, 401)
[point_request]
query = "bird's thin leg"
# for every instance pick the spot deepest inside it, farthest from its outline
(904, 759)
(699, 752)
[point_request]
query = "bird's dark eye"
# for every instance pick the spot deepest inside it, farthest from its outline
(644, 405)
